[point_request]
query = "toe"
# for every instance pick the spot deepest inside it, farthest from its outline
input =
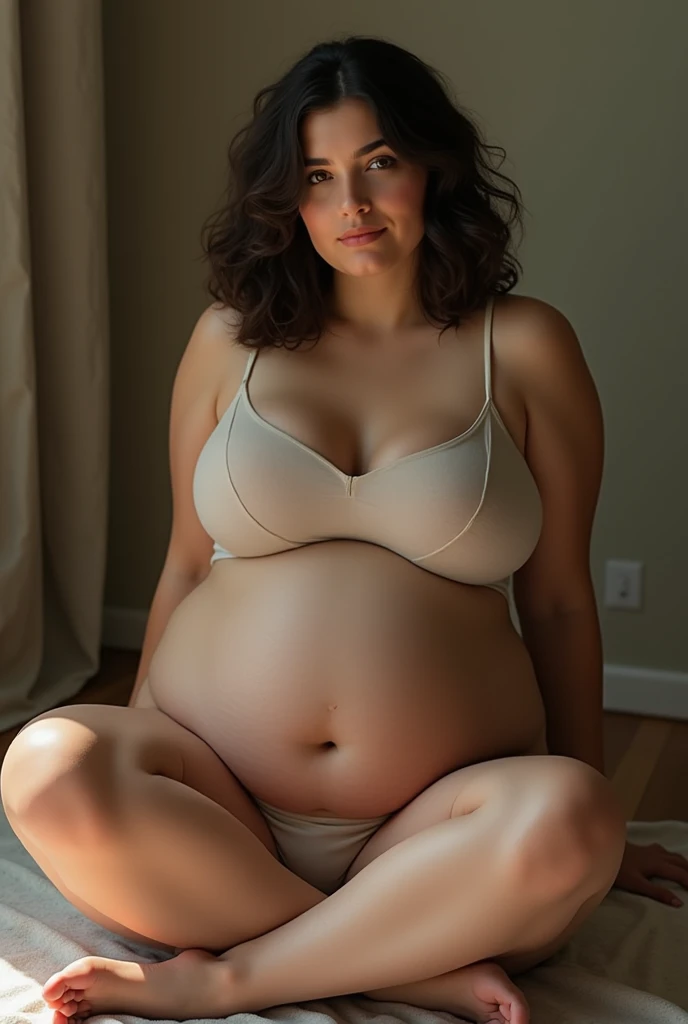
(54, 987)
(519, 1012)
(58, 1002)
(75, 976)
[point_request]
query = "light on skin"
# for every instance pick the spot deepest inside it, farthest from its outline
(374, 286)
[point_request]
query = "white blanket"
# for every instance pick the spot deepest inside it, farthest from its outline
(628, 964)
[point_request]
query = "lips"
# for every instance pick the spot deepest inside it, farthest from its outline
(362, 239)
(360, 231)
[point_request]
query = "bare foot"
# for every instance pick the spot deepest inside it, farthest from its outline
(193, 984)
(198, 984)
(485, 993)
(478, 992)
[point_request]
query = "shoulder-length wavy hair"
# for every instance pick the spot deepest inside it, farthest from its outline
(262, 261)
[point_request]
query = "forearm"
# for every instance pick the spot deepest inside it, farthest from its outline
(566, 651)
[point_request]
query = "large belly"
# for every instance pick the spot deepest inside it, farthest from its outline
(341, 678)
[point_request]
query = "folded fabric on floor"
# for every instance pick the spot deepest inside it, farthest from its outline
(626, 965)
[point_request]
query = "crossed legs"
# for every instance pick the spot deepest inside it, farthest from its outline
(513, 862)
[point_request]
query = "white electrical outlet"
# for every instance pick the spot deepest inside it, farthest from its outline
(623, 584)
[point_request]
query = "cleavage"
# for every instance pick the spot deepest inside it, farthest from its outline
(401, 447)
(397, 428)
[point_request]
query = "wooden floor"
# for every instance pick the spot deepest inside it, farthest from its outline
(645, 758)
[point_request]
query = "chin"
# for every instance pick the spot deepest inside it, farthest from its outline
(364, 271)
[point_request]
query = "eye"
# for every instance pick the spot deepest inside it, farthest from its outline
(377, 159)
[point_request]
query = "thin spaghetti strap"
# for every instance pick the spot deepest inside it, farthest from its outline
(249, 365)
(489, 310)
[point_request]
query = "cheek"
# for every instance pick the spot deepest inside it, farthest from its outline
(314, 217)
(407, 196)
(318, 223)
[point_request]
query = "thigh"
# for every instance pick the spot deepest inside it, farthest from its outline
(518, 790)
(518, 962)
(83, 745)
(47, 866)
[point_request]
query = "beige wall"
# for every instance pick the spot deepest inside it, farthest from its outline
(587, 98)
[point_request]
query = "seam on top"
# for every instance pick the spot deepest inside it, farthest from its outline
(480, 503)
(248, 513)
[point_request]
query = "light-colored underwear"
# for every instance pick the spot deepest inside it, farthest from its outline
(320, 850)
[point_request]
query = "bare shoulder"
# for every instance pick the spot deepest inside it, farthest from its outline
(210, 364)
(215, 330)
(213, 357)
(535, 343)
(519, 317)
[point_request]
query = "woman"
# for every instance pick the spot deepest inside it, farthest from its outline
(333, 774)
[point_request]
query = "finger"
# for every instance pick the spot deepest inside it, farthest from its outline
(655, 892)
(670, 871)
(676, 856)
(673, 854)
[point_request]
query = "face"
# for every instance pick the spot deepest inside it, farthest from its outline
(343, 191)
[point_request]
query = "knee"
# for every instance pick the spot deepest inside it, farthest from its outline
(53, 772)
(573, 830)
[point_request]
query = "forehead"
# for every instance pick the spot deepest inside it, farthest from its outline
(339, 129)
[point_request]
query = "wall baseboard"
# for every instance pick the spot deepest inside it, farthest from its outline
(628, 689)
(654, 692)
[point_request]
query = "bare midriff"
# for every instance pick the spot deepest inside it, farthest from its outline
(340, 679)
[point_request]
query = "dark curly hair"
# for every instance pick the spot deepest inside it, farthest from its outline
(262, 261)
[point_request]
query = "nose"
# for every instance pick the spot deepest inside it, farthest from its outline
(353, 201)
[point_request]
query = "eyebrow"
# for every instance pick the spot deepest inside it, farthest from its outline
(359, 152)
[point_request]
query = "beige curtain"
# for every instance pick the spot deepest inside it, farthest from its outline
(54, 398)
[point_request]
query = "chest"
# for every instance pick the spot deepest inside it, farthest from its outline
(364, 410)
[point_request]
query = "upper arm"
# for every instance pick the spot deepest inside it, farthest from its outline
(210, 357)
(565, 453)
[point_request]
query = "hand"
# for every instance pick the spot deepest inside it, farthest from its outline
(641, 862)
